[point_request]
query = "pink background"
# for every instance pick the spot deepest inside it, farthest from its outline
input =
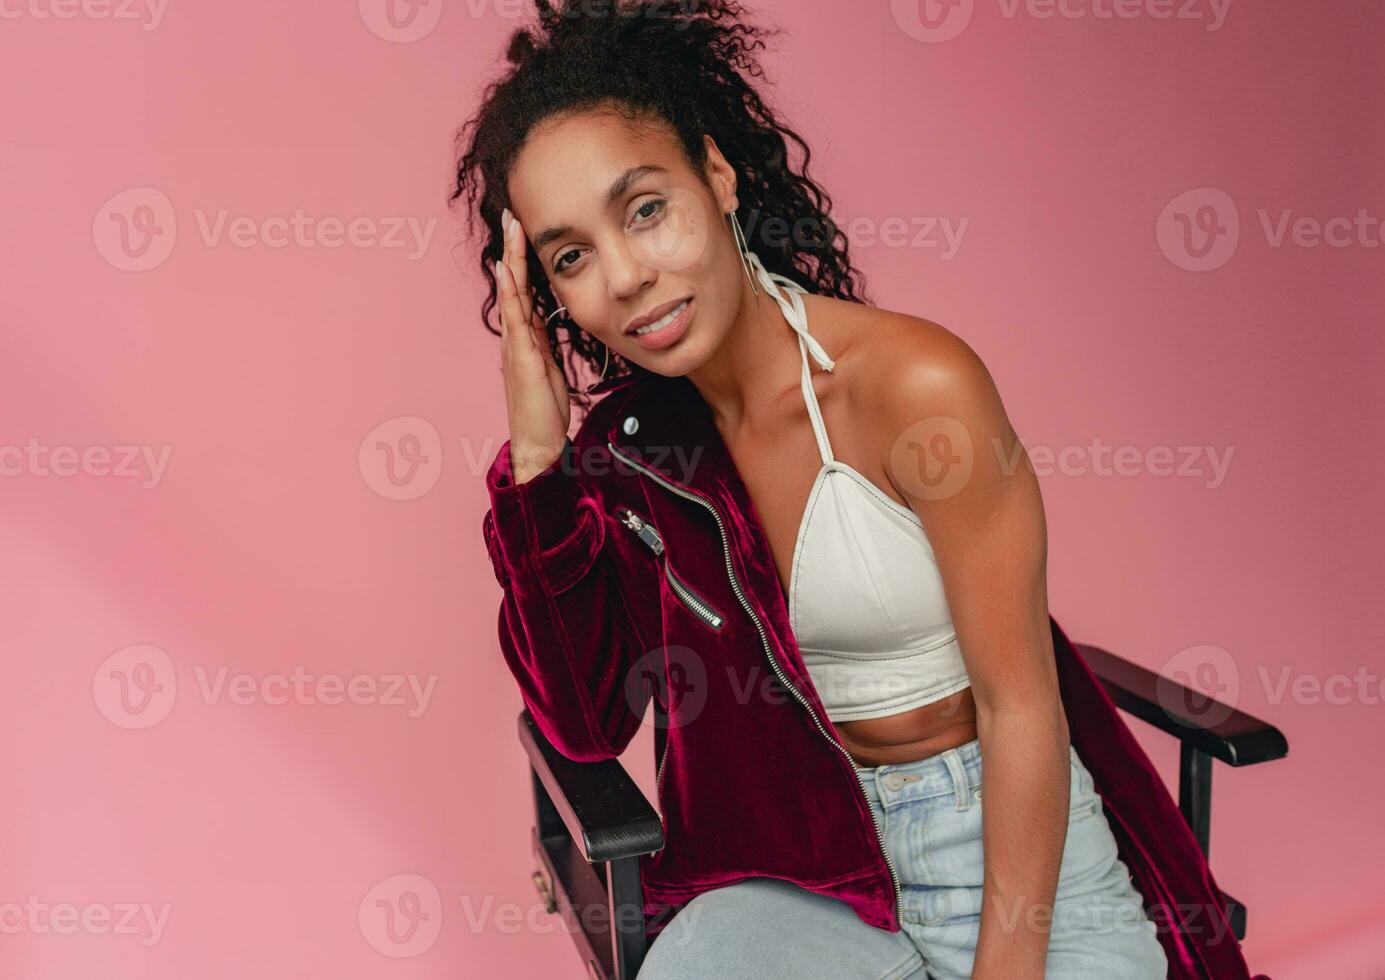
(269, 827)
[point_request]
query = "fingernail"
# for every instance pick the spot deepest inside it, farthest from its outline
(505, 221)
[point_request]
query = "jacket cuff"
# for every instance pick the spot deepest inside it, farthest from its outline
(548, 522)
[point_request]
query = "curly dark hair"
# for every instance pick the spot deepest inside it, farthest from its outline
(685, 63)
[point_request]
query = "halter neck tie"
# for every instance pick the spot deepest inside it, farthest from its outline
(792, 305)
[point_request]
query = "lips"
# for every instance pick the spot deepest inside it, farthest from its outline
(655, 314)
(672, 330)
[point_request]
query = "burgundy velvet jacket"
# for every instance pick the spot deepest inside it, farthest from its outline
(638, 556)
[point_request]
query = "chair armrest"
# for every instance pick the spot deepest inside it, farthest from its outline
(606, 814)
(1224, 733)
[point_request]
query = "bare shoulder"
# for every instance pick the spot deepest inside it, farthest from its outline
(899, 368)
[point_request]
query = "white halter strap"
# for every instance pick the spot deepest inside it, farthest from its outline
(789, 296)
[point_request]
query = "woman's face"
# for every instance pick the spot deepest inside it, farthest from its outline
(624, 230)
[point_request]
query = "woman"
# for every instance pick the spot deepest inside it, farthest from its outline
(617, 168)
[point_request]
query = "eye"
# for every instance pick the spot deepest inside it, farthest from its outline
(559, 265)
(651, 208)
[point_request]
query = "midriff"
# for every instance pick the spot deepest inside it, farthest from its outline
(908, 736)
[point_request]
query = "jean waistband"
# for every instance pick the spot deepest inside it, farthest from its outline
(952, 772)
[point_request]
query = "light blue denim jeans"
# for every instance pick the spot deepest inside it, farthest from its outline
(930, 813)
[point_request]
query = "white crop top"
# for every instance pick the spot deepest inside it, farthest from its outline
(866, 599)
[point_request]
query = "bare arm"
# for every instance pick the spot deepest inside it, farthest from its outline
(954, 456)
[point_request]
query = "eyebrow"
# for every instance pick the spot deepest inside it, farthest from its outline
(617, 190)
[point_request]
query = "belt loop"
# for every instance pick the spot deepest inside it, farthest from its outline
(960, 787)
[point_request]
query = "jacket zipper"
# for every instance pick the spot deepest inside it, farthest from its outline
(764, 640)
(699, 606)
(650, 535)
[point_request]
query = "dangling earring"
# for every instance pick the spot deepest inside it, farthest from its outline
(743, 247)
(604, 366)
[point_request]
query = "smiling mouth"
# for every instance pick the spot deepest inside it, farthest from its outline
(663, 321)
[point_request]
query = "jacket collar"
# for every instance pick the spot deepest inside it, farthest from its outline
(666, 425)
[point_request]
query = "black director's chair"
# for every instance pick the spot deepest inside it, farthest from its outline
(592, 823)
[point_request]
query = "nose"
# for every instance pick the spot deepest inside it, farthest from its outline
(626, 275)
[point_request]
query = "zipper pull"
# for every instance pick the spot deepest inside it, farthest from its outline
(647, 532)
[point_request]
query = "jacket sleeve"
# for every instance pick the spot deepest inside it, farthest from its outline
(565, 626)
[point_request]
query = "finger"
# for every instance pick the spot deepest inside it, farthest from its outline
(510, 313)
(555, 372)
(539, 331)
(508, 345)
(517, 256)
(504, 286)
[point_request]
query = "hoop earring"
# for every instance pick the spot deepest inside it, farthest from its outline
(606, 363)
(742, 247)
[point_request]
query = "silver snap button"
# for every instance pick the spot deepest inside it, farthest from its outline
(977, 793)
(893, 780)
(631, 425)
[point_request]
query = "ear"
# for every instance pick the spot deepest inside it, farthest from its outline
(721, 175)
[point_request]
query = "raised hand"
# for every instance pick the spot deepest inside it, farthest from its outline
(536, 395)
